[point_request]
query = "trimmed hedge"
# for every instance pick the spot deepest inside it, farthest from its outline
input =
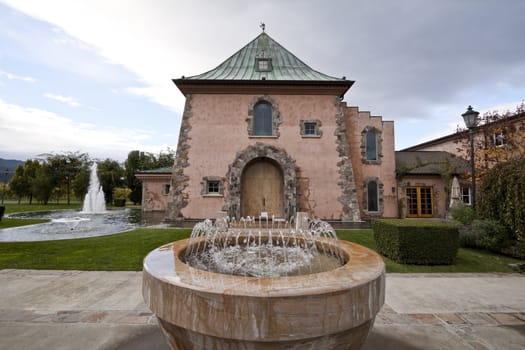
(417, 241)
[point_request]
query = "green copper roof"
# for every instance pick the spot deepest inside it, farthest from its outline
(282, 65)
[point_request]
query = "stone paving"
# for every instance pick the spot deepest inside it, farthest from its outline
(104, 310)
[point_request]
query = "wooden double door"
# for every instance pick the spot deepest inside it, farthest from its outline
(420, 202)
(262, 188)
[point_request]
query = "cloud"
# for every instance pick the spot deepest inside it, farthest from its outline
(411, 59)
(71, 101)
(26, 132)
(12, 76)
(167, 96)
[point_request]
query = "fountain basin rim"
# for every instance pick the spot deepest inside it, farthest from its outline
(323, 303)
(363, 265)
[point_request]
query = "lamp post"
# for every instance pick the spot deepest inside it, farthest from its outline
(471, 121)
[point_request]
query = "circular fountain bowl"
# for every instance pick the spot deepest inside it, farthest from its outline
(204, 310)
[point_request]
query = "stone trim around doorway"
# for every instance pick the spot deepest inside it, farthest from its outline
(261, 150)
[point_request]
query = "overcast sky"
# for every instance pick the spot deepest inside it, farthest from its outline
(95, 76)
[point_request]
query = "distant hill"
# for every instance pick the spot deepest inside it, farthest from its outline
(9, 165)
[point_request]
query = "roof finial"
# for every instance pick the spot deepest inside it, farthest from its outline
(263, 26)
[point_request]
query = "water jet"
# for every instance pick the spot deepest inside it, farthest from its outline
(94, 201)
(266, 294)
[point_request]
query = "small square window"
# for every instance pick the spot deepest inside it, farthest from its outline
(310, 128)
(263, 64)
(213, 186)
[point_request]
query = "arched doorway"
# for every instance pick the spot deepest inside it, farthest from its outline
(262, 188)
(250, 156)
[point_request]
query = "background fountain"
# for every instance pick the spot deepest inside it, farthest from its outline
(94, 202)
(93, 220)
(266, 294)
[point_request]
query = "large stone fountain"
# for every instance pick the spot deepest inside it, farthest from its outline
(246, 285)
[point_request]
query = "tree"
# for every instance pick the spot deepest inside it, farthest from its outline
(42, 185)
(502, 196)
(62, 170)
(111, 175)
(30, 173)
(80, 182)
(19, 184)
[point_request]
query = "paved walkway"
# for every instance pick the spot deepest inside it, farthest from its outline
(104, 310)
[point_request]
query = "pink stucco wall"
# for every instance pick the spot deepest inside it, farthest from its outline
(219, 131)
(154, 196)
(384, 170)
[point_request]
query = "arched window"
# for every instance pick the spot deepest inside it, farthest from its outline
(371, 145)
(372, 198)
(262, 119)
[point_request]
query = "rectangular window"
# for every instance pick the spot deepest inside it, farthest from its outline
(166, 189)
(419, 202)
(310, 128)
(465, 194)
(213, 187)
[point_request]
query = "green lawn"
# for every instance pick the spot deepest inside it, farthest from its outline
(14, 207)
(125, 251)
(119, 252)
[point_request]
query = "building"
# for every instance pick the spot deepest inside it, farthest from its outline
(264, 132)
(155, 189)
(498, 138)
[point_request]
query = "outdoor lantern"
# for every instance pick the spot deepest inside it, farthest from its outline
(470, 117)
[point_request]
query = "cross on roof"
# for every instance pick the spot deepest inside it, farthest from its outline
(263, 26)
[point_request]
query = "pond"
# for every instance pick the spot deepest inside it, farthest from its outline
(69, 224)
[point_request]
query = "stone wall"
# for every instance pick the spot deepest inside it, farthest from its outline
(177, 199)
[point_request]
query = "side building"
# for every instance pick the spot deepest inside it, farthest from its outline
(497, 138)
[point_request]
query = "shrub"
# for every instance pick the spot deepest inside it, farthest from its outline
(502, 196)
(485, 234)
(2, 210)
(516, 250)
(121, 193)
(422, 242)
(463, 213)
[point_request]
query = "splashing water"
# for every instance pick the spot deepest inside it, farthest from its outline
(242, 250)
(94, 202)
